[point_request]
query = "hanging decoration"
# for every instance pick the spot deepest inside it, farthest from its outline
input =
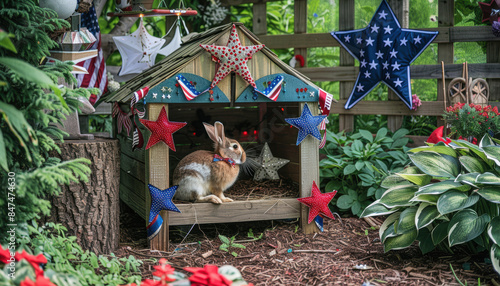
(297, 59)
(144, 8)
(160, 200)
(307, 124)
(162, 130)
(385, 52)
(490, 11)
(325, 104)
(176, 41)
(138, 50)
(122, 119)
(267, 165)
(318, 205)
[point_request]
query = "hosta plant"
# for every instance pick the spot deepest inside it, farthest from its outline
(450, 195)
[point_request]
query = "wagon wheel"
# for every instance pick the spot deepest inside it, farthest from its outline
(457, 91)
(480, 92)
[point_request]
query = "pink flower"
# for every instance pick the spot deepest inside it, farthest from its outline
(416, 102)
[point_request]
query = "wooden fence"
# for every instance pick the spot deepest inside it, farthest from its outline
(346, 73)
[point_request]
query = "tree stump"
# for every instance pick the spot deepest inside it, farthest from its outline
(91, 210)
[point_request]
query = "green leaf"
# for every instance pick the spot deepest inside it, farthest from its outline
(237, 245)
(425, 241)
(495, 257)
(356, 207)
(469, 179)
(425, 215)
(400, 133)
(417, 179)
(401, 241)
(3, 153)
(5, 41)
(359, 165)
(345, 202)
(435, 164)
(441, 187)
(224, 239)
(439, 233)
(376, 209)
(474, 148)
(445, 150)
(490, 193)
(465, 226)
(234, 254)
(493, 153)
(398, 196)
(431, 199)
(472, 164)
(388, 224)
(393, 181)
(488, 179)
(381, 133)
(486, 141)
(494, 230)
(453, 201)
(367, 135)
(406, 221)
(349, 169)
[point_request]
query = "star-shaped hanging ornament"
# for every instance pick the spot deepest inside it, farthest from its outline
(160, 200)
(267, 165)
(307, 124)
(490, 10)
(162, 130)
(384, 51)
(318, 203)
(138, 50)
(232, 57)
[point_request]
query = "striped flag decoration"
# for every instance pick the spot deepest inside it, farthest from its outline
(273, 89)
(325, 103)
(122, 119)
(96, 66)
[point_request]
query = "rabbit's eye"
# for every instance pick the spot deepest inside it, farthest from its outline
(235, 146)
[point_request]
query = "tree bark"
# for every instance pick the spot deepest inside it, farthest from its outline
(90, 210)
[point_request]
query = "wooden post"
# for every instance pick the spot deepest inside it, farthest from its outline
(300, 25)
(259, 18)
(446, 18)
(346, 22)
(158, 176)
(309, 171)
(401, 10)
(493, 56)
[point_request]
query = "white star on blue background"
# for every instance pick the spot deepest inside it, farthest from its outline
(307, 124)
(389, 54)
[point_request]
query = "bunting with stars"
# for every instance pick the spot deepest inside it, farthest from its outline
(384, 51)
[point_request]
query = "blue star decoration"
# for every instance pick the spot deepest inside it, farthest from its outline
(307, 124)
(385, 52)
(160, 200)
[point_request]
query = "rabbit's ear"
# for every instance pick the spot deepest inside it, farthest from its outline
(211, 132)
(219, 131)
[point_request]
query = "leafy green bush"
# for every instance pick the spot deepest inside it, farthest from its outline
(356, 164)
(451, 196)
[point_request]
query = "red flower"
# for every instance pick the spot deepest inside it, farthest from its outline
(4, 255)
(35, 261)
(207, 276)
(40, 281)
(150, 282)
(163, 270)
(495, 109)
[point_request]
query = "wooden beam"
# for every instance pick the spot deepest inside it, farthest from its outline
(226, 3)
(158, 176)
(259, 18)
(391, 108)
(309, 171)
(446, 18)
(236, 211)
(346, 22)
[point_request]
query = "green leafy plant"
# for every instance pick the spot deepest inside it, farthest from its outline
(472, 120)
(449, 196)
(251, 235)
(228, 243)
(356, 164)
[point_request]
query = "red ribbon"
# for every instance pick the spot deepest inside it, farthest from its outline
(122, 119)
(207, 276)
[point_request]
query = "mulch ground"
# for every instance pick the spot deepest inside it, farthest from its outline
(348, 252)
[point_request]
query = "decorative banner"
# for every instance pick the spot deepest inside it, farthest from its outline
(319, 223)
(122, 119)
(307, 124)
(273, 89)
(188, 89)
(232, 57)
(325, 103)
(137, 139)
(385, 52)
(268, 165)
(138, 95)
(160, 200)
(318, 203)
(490, 10)
(162, 130)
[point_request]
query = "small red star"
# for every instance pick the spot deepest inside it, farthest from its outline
(318, 203)
(232, 57)
(162, 130)
(487, 8)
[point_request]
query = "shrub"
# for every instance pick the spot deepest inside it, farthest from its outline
(472, 120)
(450, 196)
(355, 165)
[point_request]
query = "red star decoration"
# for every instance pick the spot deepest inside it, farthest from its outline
(487, 8)
(318, 203)
(162, 130)
(232, 57)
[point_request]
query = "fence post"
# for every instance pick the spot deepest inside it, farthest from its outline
(259, 18)
(446, 18)
(346, 22)
(493, 56)
(300, 25)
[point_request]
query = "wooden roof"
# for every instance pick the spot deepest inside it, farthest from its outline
(188, 51)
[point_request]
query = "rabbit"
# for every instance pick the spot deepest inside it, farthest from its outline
(201, 178)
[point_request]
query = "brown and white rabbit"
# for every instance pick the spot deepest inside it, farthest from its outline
(202, 179)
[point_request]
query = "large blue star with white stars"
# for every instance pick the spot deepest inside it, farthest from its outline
(307, 124)
(160, 200)
(385, 52)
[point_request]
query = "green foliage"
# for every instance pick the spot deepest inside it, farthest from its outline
(228, 243)
(451, 196)
(80, 267)
(251, 235)
(30, 105)
(356, 164)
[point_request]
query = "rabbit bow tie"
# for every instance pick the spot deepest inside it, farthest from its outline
(228, 160)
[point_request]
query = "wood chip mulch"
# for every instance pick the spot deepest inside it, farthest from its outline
(286, 256)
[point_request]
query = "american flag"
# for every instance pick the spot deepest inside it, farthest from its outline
(96, 66)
